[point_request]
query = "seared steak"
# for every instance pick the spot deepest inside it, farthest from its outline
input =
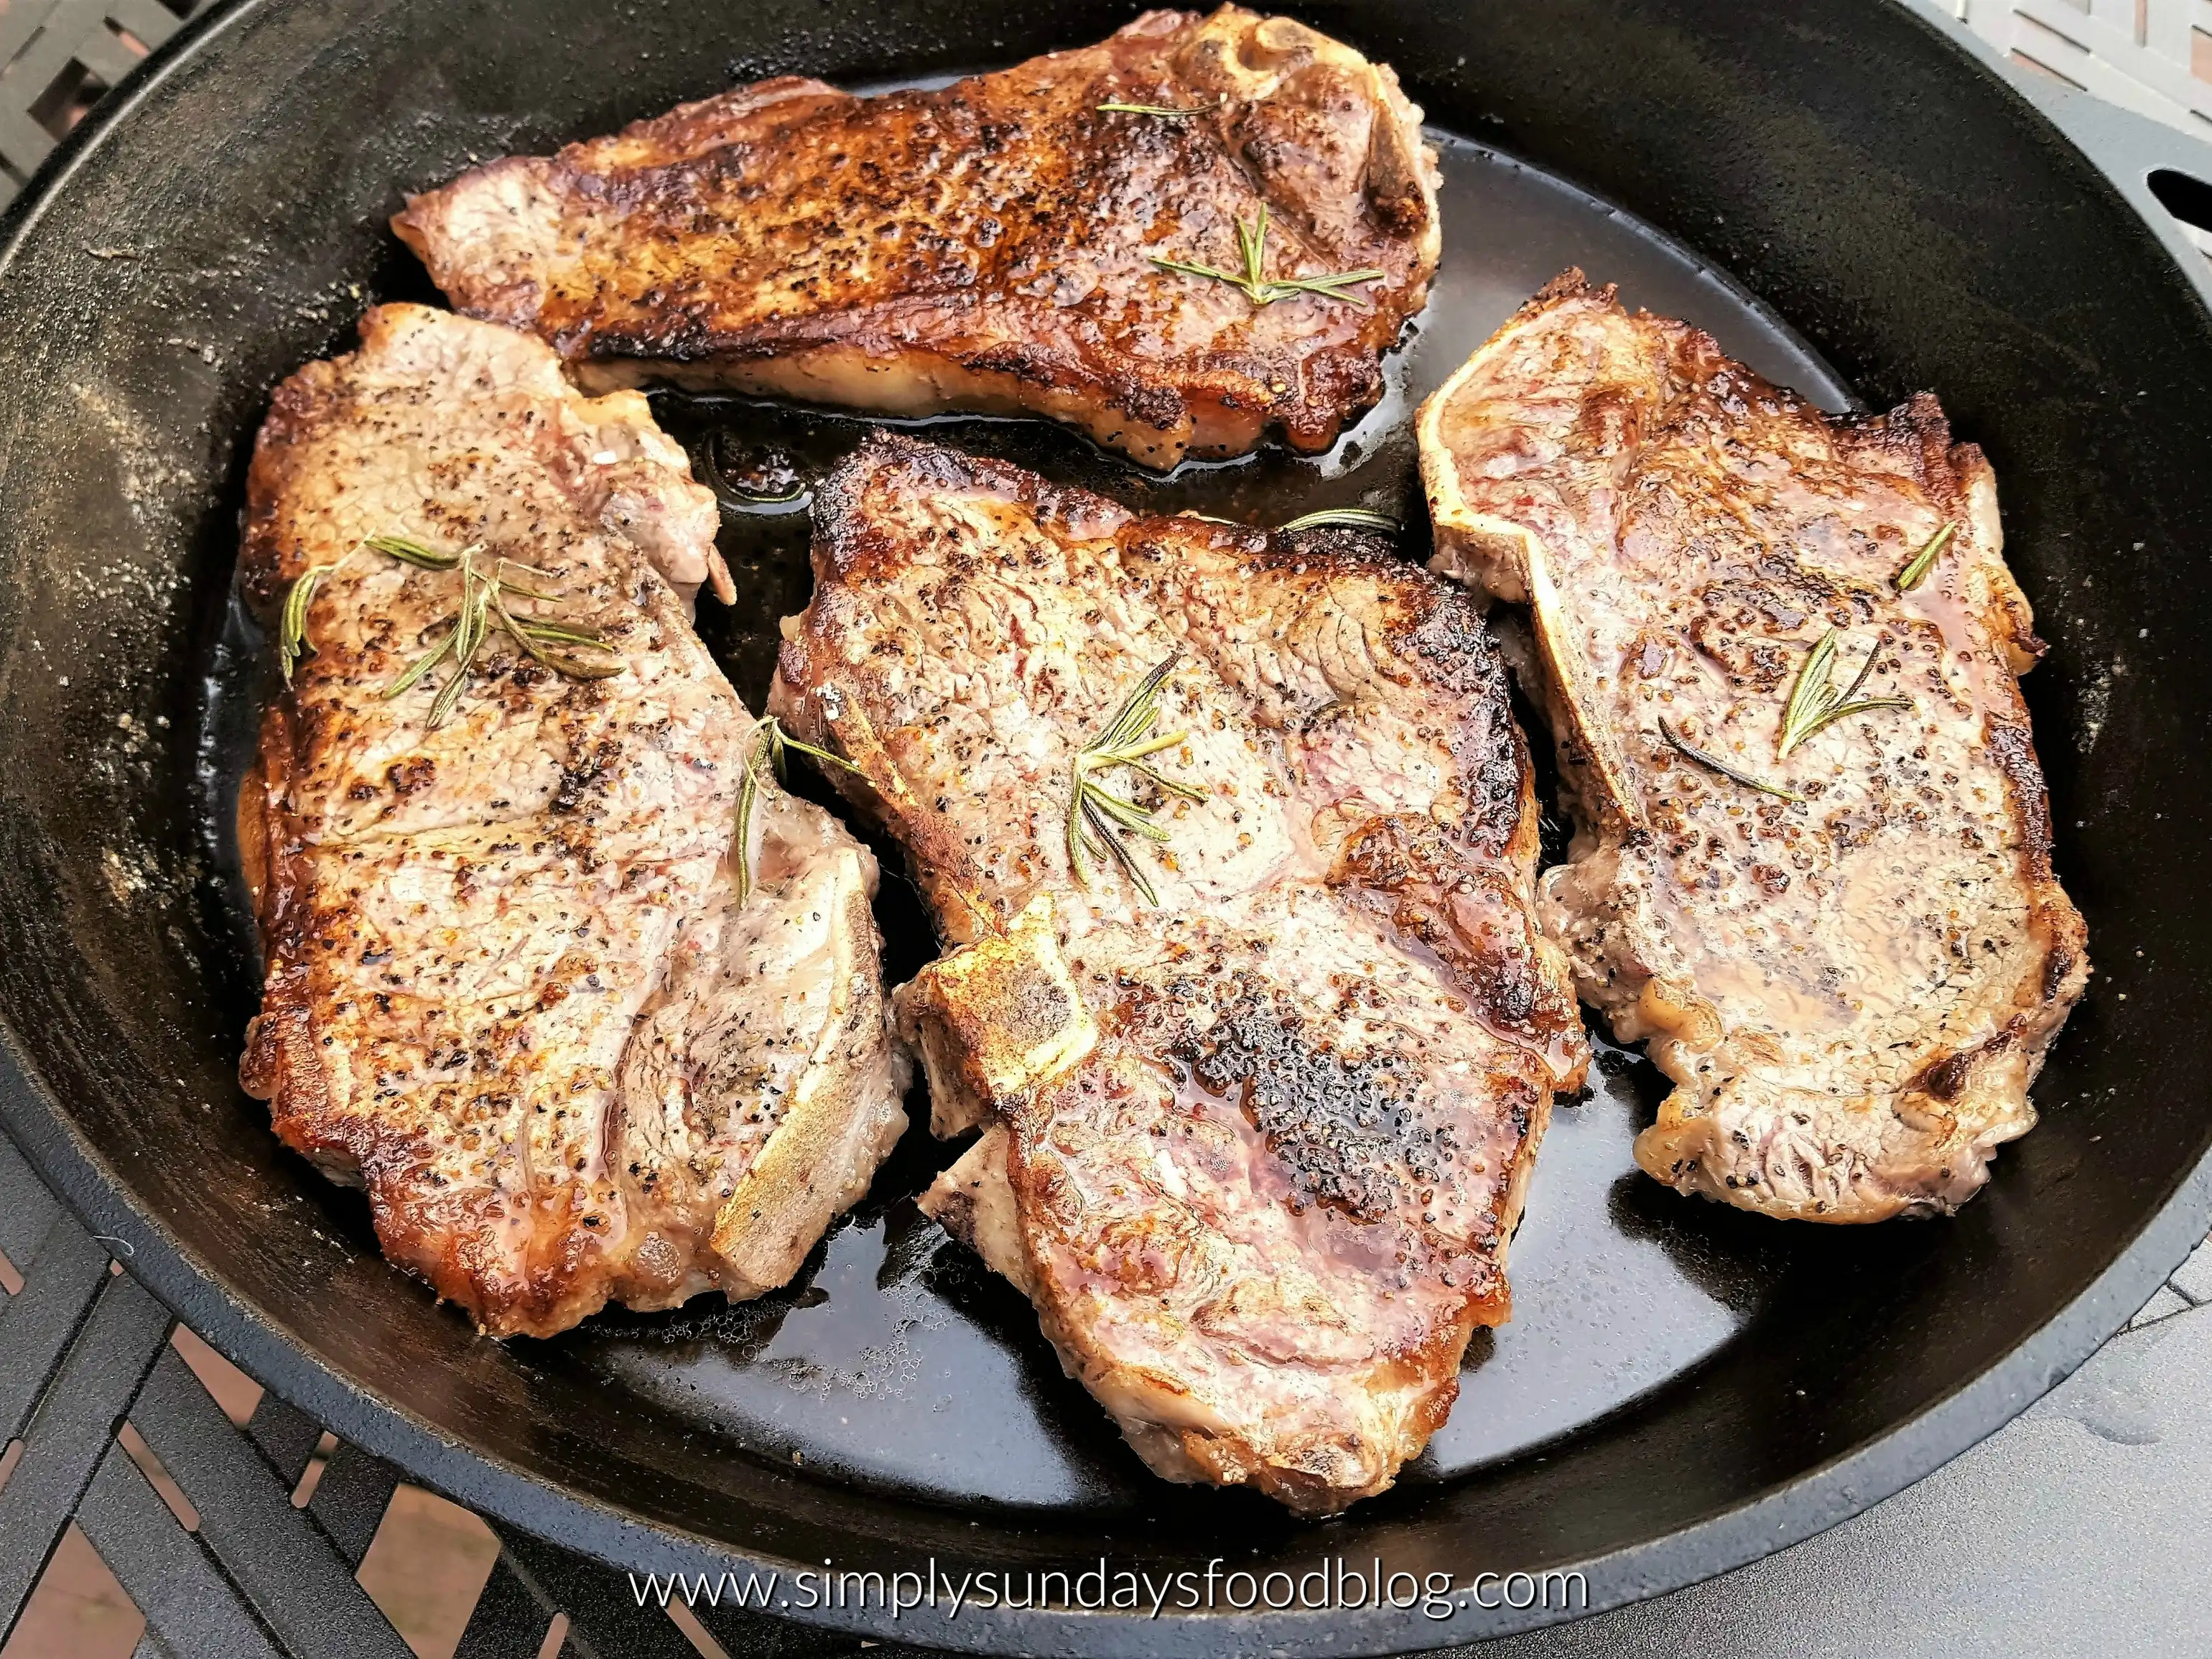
(1812, 854)
(1254, 1149)
(513, 989)
(991, 245)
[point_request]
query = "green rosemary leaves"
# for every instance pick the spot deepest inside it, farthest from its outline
(1343, 518)
(1165, 112)
(484, 611)
(413, 552)
(1715, 764)
(1097, 819)
(1260, 288)
(1815, 704)
(768, 753)
(1328, 517)
(1917, 571)
(292, 641)
(1814, 701)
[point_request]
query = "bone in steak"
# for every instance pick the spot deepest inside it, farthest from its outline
(986, 245)
(512, 988)
(1253, 1150)
(1850, 957)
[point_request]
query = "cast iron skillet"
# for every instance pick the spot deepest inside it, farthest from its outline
(1912, 219)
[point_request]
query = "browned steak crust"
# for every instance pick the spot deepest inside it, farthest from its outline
(511, 990)
(1254, 1152)
(984, 245)
(1851, 964)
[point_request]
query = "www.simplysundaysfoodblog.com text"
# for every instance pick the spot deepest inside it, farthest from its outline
(1331, 1583)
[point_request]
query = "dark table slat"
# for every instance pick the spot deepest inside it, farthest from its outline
(751, 1632)
(19, 22)
(510, 1619)
(37, 1324)
(27, 1208)
(73, 1426)
(188, 1603)
(286, 1438)
(351, 1499)
(289, 1570)
(604, 1619)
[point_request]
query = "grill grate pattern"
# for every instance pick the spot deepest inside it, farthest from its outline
(57, 56)
(84, 1350)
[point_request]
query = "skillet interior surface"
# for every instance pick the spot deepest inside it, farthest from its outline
(1682, 1386)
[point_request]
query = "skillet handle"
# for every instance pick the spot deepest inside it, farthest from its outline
(2165, 173)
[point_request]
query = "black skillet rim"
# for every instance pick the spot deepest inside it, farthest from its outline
(1788, 1512)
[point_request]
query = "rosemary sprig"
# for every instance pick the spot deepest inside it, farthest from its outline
(408, 551)
(1916, 572)
(292, 641)
(466, 639)
(482, 605)
(485, 612)
(1348, 517)
(422, 665)
(1096, 816)
(1814, 701)
(1163, 110)
(1260, 288)
(768, 752)
(1343, 518)
(1714, 763)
